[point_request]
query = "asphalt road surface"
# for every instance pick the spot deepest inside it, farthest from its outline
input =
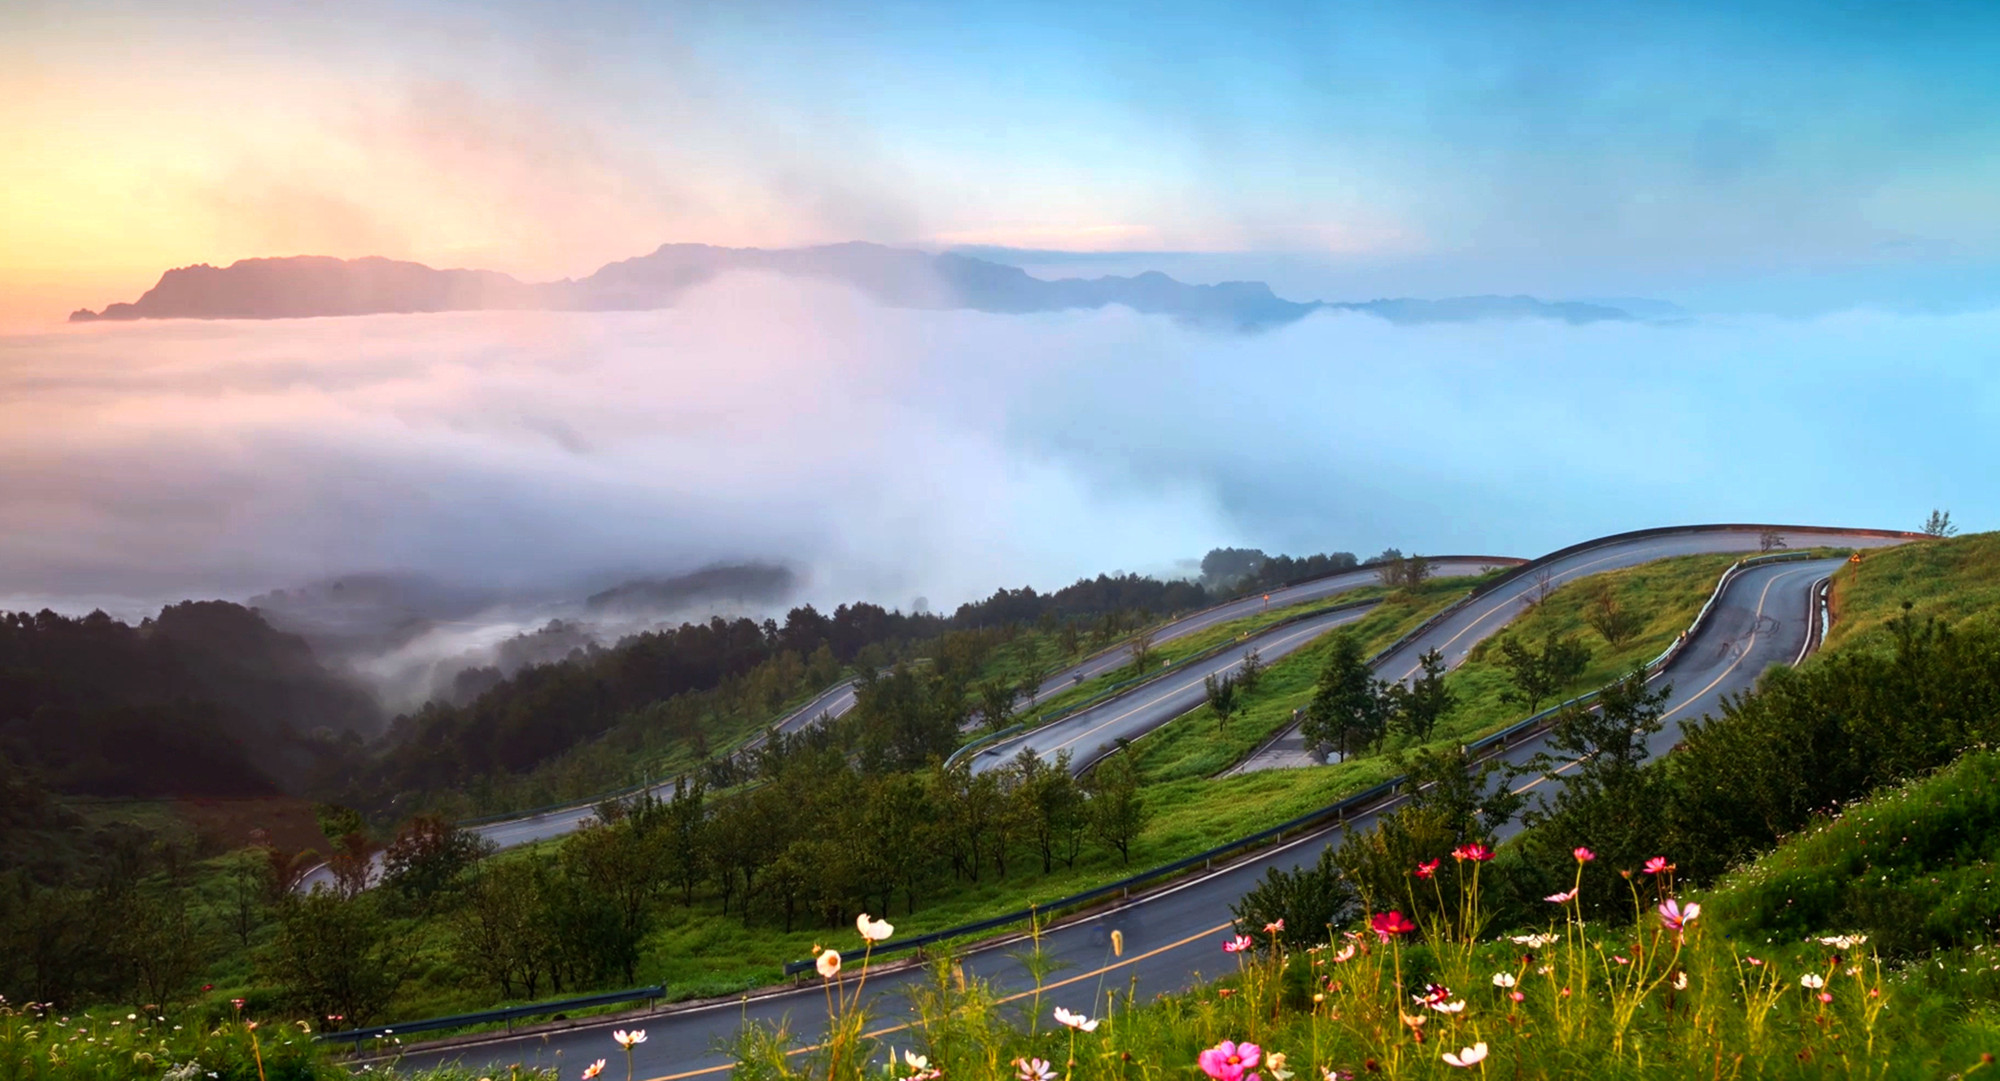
(836, 701)
(1089, 734)
(1172, 935)
(1455, 636)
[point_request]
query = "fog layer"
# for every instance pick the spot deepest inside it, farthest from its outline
(888, 454)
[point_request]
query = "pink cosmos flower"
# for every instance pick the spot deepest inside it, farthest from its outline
(1227, 1061)
(1388, 925)
(1033, 1069)
(1658, 865)
(1561, 898)
(1274, 927)
(1237, 944)
(1478, 853)
(1584, 855)
(1426, 870)
(1674, 917)
(1346, 954)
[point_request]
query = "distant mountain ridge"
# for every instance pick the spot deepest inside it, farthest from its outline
(315, 285)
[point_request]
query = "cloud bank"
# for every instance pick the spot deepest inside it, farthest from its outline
(890, 454)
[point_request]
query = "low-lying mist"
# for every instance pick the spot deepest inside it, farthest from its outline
(518, 463)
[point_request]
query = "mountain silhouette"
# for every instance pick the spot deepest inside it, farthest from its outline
(314, 285)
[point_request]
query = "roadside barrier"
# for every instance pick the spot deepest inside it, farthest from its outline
(357, 1036)
(1153, 676)
(1335, 813)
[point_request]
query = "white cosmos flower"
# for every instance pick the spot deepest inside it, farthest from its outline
(1076, 1021)
(1470, 1056)
(873, 930)
(627, 1039)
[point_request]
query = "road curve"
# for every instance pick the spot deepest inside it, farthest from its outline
(1088, 735)
(837, 701)
(1172, 934)
(1456, 634)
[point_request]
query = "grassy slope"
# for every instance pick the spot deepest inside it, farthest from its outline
(1952, 579)
(1665, 594)
(1913, 866)
(1184, 647)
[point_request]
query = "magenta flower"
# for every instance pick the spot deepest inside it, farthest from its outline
(1658, 865)
(1227, 1061)
(1426, 870)
(1584, 855)
(1388, 925)
(1237, 944)
(1561, 898)
(1675, 917)
(1478, 853)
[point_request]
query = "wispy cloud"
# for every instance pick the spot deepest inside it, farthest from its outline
(895, 453)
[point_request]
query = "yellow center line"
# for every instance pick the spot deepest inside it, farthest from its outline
(1756, 618)
(1177, 690)
(1016, 997)
(1510, 599)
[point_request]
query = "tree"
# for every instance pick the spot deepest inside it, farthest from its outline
(685, 836)
(1048, 803)
(1223, 567)
(1418, 707)
(619, 865)
(1451, 803)
(1939, 525)
(996, 703)
(1403, 572)
(1309, 901)
(1611, 619)
(1540, 674)
(352, 863)
(428, 856)
(1221, 697)
(1544, 587)
(1140, 645)
(1117, 814)
(157, 940)
(1250, 672)
(1770, 540)
(333, 958)
(1349, 707)
(1605, 800)
(498, 932)
(249, 888)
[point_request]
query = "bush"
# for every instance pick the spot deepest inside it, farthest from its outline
(1913, 867)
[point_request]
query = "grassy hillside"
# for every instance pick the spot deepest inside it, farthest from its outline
(1955, 579)
(1913, 867)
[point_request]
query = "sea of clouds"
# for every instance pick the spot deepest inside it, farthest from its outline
(892, 454)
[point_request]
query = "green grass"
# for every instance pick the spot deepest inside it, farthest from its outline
(1179, 649)
(1953, 579)
(1194, 747)
(1913, 867)
(1664, 594)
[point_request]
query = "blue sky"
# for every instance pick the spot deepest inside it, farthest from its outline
(1772, 156)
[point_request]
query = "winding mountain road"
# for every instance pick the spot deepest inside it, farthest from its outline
(1766, 615)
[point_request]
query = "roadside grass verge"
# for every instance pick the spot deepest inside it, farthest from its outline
(1912, 866)
(1194, 746)
(1952, 579)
